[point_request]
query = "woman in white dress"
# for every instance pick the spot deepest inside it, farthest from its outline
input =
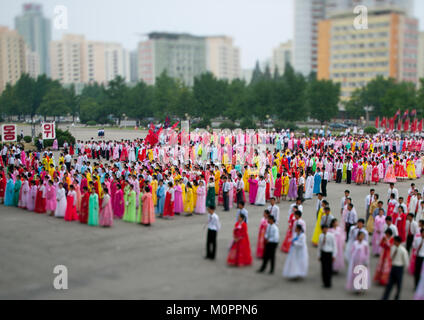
(296, 265)
(260, 195)
(61, 202)
(309, 189)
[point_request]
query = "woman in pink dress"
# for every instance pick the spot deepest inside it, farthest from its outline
(106, 211)
(178, 199)
(200, 207)
(340, 236)
(390, 176)
(119, 203)
(260, 247)
(148, 216)
(50, 198)
(359, 256)
(378, 234)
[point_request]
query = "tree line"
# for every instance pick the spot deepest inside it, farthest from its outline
(286, 97)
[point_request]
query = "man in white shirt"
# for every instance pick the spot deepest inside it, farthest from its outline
(271, 242)
(319, 203)
(327, 251)
(390, 225)
(298, 204)
(351, 219)
(213, 228)
(225, 192)
(274, 210)
(242, 210)
(400, 261)
(391, 190)
(343, 201)
(240, 188)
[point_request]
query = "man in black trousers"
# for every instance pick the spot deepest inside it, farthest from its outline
(271, 242)
(225, 193)
(213, 228)
(327, 251)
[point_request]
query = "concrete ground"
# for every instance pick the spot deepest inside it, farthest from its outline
(165, 261)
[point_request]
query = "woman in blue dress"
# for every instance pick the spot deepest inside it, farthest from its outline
(160, 193)
(317, 181)
(8, 195)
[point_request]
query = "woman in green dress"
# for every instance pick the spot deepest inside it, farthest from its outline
(93, 209)
(17, 190)
(210, 197)
(140, 207)
(130, 206)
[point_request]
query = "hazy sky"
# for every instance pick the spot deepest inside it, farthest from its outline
(256, 25)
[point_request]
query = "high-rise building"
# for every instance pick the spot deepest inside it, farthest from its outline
(182, 56)
(12, 57)
(223, 58)
(36, 31)
(134, 66)
(76, 60)
(389, 47)
(308, 13)
(32, 63)
(421, 55)
(282, 55)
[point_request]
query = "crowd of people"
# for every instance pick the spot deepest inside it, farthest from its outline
(97, 181)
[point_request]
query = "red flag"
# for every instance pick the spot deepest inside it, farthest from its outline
(415, 125)
(406, 125)
(413, 113)
(405, 115)
(175, 125)
(399, 127)
(377, 122)
(420, 125)
(397, 114)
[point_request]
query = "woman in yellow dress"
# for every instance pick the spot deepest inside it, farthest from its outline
(246, 176)
(195, 186)
(317, 230)
(188, 198)
(410, 169)
(154, 185)
(286, 184)
(217, 178)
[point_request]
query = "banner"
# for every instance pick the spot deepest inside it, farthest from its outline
(48, 130)
(9, 133)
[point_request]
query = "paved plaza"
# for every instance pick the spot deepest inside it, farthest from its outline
(165, 261)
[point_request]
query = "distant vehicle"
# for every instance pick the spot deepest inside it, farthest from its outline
(338, 126)
(350, 123)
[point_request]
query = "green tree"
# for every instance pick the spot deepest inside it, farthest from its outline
(54, 103)
(165, 96)
(117, 97)
(323, 99)
(140, 101)
(256, 74)
(354, 107)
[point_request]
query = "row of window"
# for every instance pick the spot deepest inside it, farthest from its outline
(346, 46)
(360, 55)
(360, 64)
(361, 35)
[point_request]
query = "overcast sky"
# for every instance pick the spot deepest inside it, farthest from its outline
(256, 25)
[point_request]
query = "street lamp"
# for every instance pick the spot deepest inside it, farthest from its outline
(368, 109)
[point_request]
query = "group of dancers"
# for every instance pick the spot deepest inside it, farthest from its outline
(95, 182)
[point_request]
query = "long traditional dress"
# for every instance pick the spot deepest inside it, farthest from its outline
(390, 176)
(260, 194)
(61, 203)
(260, 246)
(239, 254)
(359, 256)
(32, 194)
(16, 191)
(8, 195)
(384, 264)
(168, 210)
(378, 234)
(71, 208)
(309, 187)
(401, 226)
(278, 187)
(292, 194)
(340, 236)
(201, 200)
(317, 183)
(93, 210)
(317, 230)
(210, 198)
(285, 246)
(419, 293)
(178, 199)
(253, 190)
(189, 201)
(160, 195)
(296, 265)
(148, 216)
(83, 215)
(119, 204)
(130, 214)
(106, 212)
(51, 198)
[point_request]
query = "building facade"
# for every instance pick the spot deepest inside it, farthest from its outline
(182, 56)
(389, 47)
(282, 55)
(36, 31)
(223, 58)
(12, 57)
(75, 60)
(307, 15)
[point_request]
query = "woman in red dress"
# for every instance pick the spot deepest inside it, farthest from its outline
(83, 214)
(168, 209)
(384, 264)
(285, 246)
(375, 175)
(40, 199)
(401, 223)
(240, 254)
(71, 207)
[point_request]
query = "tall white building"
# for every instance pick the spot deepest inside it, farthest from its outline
(76, 60)
(282, 55)
(223, 58)
(32, 63)
(307, 14)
